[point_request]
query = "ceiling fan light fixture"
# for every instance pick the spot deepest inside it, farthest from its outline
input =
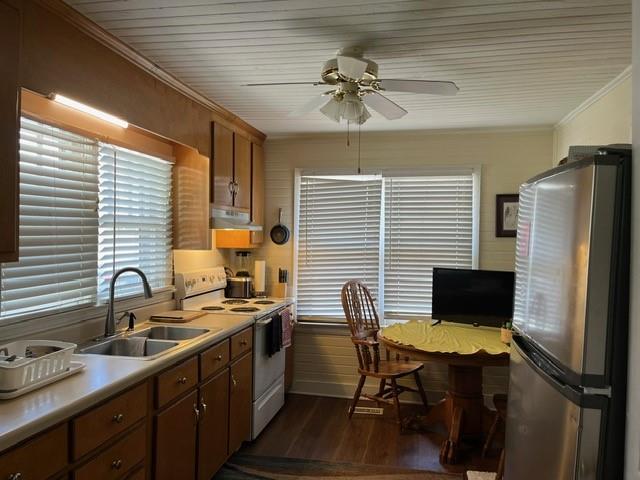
(332, 110)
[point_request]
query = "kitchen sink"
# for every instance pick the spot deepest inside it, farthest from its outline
(172, 333)
(130, 347)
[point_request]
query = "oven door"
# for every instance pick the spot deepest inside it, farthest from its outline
(267, 370)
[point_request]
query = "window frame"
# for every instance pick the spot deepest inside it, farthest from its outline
(431, 170)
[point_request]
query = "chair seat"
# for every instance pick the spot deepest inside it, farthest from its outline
(392, 369)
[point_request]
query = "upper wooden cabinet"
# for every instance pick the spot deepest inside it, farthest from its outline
(242, 172)
(231, 174)
(257, 191)
(10, 38)
(222, 165)
(190, 200)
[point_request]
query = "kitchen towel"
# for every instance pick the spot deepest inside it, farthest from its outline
(274, 335)
(287, 327)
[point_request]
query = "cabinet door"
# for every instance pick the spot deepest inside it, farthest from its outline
(175, 440)
(257, 191)
(222, 165)
(213, 432)
(242, 171)
(190, 200)
(9, 130)
(240, 398)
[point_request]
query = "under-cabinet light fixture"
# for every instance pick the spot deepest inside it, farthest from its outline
(107, 117)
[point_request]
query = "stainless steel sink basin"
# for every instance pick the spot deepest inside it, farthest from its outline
(130, 347)
(171, 333)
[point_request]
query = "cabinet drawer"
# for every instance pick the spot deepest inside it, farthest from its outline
(139, 474)
(115, 461)
(41, 457)
(241, 342)
(176, 381)
(102, 423)
(214, 359)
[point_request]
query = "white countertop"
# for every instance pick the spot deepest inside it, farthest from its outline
(103, 377)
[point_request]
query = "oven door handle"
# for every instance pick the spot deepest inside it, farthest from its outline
(264, 322)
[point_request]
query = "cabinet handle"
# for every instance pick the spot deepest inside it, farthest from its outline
(231, 188)
(116, 464)
(118, 418)
(196, 412)
(244, 343)
(233, 380)
(203, 406)
(219, 358)
(182, 380)
(15, 476)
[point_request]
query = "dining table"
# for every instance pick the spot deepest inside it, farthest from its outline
(466, 349)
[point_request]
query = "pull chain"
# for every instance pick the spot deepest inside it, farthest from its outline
(359, 171)
(348, 142)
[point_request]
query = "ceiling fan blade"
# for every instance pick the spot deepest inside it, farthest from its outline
(419, 86)
(282, 83)
(351, 68)
(311, 105)
(384, 106)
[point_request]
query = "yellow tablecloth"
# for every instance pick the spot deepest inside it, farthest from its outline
(446, 337)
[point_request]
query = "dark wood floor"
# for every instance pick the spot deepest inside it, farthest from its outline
(318, 428)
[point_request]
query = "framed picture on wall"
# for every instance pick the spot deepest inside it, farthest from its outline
(506, 214)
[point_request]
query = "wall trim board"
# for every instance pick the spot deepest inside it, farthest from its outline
(395, 133)
(625, 74)
(96, 32)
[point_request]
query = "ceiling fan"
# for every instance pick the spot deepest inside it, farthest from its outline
(357, 87)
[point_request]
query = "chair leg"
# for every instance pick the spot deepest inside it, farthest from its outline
(383, 384)
(500, 473)
(396, 400)
(423, 394)
(356, 395)
(490, 435)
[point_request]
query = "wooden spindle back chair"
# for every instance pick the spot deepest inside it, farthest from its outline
(362, 317)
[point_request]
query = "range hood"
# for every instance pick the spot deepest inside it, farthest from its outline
(231, 219)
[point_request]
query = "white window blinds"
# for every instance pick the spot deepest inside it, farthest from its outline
(135, 219)
(338, 240)
(58, 223)
(428, 223)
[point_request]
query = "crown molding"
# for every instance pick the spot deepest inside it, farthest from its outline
(116, 45)
(625, 74)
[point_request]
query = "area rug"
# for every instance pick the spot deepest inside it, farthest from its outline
(253, 467)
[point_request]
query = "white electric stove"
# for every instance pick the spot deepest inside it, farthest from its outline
(204, 290)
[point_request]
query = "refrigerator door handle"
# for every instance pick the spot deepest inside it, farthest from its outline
(546, 371)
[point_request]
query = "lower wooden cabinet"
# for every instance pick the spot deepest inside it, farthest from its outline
(240, 402)
(214, 425)
(175, 440)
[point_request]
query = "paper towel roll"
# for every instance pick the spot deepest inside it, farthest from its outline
(259, 276)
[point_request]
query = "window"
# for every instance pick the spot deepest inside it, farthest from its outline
(338, 239)
(74, 194)
(389, 230)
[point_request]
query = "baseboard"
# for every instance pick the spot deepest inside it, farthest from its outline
(346, 390)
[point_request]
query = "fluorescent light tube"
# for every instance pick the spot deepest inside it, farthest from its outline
(90, 110)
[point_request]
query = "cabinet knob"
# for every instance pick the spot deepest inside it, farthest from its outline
(116, 464)
(182, 380)
(15, 476)
(219, 358)
(118, 418)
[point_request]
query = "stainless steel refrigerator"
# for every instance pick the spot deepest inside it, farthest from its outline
(567, 388)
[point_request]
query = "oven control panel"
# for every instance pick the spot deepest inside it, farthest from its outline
(201, 281)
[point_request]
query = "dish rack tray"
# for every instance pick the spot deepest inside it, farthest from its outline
(27, 362)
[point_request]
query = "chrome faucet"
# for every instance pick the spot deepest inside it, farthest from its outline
(110, 322)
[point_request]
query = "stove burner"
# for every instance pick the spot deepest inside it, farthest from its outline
(235, 301)
(264, 302)
(245, 309)
(213, 308)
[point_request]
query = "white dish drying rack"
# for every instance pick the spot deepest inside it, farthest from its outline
(29, 364)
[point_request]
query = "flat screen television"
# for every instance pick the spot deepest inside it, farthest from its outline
(477, 297)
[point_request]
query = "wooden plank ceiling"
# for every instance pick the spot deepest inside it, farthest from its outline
(517, 62)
